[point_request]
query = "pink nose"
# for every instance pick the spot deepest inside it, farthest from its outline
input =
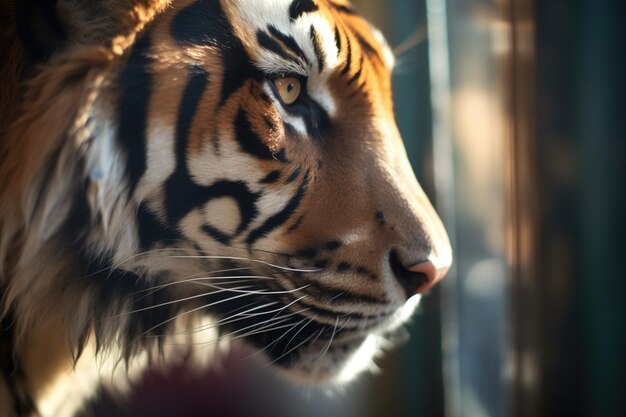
(419, 277)
(431, 273)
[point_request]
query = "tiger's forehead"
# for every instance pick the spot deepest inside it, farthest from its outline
(298, 36)
(292, 35)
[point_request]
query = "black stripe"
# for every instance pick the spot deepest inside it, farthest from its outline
(40, 29)
(204, 22)
(343, 266)
(317, 47)
(271, 178)
(11, 370)
(182, 194)
(281, 217)
(357, 74)
(308, 253)
(291, 178)
(369, 49)
(151, 229)
(263, 96)
(269, 123)
(115, 290)
(324, 293)
(238, 191)
(331, 245)
(216, 234)
(328, 296)
(289, 42)
(248, 140)
(300, 7)
(295, 226)
(337, 40)
(322, 263)
(318, 121)
(346, 67)
(360, 90)
(281, 155)
(267, 42)
(188, 107)
(135, 84)
(344, 9)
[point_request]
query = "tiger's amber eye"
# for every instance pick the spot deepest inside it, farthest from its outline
(288, 88)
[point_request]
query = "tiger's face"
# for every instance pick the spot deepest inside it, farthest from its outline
(271, 187)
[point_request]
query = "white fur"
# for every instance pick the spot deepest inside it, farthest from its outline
(255, 15)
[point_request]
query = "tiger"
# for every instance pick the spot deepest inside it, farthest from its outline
(171, 169)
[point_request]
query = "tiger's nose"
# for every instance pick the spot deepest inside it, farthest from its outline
(419, 277)
(433, 272)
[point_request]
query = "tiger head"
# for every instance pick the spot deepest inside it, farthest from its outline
(232, 159)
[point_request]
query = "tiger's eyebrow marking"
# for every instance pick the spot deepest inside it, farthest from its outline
(346, 67)
(337, 40)
(300, 7)
(289, 42)
(267, 42)
(317, 48)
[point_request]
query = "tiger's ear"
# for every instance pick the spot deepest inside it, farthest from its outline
(41, 29)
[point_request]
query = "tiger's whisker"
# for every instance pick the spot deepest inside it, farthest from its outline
(332, 336)
(261, 292)
(263, 325)
(219, 290)
(245, 315)
(238, 258)
(193, 310)
(191, 280)
(177, 301)
(281, 336)
(296, 334)
(226, 320)
(262, 251)
(298, 345)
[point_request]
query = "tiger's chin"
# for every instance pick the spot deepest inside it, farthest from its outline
(341, 363)
(341, 359)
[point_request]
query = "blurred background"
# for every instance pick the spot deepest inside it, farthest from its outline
(513, 113)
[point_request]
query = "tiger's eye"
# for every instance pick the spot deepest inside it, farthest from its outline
(288, 88)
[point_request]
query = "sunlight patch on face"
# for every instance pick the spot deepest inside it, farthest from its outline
(353, 236)
(362, 360)
(405, 312)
